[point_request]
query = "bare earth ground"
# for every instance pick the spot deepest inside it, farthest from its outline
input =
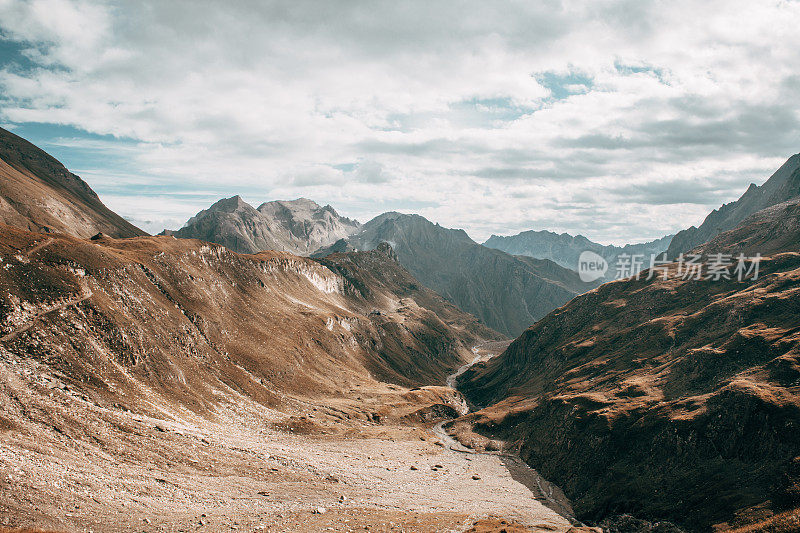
(316, 466)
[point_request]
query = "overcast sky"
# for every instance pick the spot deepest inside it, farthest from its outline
(619, 120)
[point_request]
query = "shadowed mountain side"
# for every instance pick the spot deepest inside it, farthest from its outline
(680, 395)
(667, 399)
(674, 397)
(506, 293)
(37, 193)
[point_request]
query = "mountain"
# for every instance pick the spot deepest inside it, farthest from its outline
(283, 317)
(38, 193)
(769, 231)
(138, 372)
(780, 187)
(150, 367)
(666, 399)
(564, 249)
(270, 322)
(299, 226)
(507, 293)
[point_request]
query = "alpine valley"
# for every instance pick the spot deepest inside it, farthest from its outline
(286, 368)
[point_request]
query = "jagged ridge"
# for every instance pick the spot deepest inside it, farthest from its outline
(299, 226)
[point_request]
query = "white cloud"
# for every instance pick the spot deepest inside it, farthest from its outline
(432, 107)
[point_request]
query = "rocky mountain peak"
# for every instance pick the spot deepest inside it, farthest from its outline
(472, 276)
(230, 205)
(299, 226)
(293, 206)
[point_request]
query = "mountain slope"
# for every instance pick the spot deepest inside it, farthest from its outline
(769, 231)
(298, 226)
(564, 249)
(447, 328)
(38, 193)
(137, 373)
(782, 186)
(181, 315)
(668, 399)
(507, 293)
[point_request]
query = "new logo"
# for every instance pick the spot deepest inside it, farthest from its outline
(591, 266)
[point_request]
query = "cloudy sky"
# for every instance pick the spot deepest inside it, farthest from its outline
(620, 120)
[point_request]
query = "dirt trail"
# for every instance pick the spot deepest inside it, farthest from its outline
(46, 242)
(33, 319)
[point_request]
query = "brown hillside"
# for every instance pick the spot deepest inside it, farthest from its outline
(39, 194)
(181, 315)
(156, 384)
(665, 399)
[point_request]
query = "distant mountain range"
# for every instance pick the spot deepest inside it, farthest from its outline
(299, 226)
(564, 249)
(507, 293)
(782, 186)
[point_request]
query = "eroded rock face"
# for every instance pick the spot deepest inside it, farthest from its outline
(666, 399)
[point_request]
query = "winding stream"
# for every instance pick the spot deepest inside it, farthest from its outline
(547, 493)
(451, 379)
